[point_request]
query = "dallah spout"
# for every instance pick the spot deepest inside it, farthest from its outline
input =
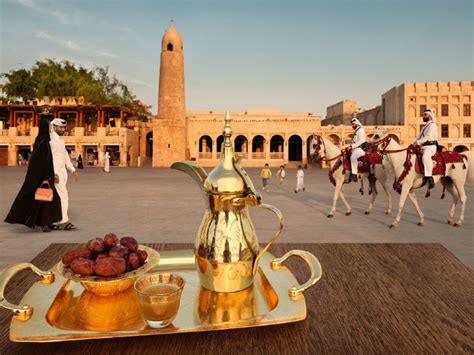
(192, 169)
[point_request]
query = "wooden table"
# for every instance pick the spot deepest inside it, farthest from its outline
(373, 298)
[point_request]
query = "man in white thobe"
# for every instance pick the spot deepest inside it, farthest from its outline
(357, 140)
(299, 180)
(107, 162)
(62, 164)
(428, 140)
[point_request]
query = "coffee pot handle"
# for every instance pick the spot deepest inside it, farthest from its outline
(277, 233)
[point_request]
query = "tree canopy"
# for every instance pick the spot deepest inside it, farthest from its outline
(63, 78)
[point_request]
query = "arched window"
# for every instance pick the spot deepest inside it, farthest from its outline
(219, 142)
(276, 143)
(308, 147)
(241, 146)
(276, 147)
(169, 47)
(258, 143)
(295, 149)
(460, 148)
(258, 147)
(205, 147)
(149, 144)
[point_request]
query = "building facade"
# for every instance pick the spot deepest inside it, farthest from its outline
(340, 113)
(452, 102)
(403, 106)
(259, 136)
(265, 136)
(91, 131)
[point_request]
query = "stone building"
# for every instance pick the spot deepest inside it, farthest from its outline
(452, 101)
(259, 136)
(403, 106)
(170, 141)
(91, 131)
(340, 113)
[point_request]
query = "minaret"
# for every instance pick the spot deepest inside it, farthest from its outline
(169, 129)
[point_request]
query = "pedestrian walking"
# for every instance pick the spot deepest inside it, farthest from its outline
(107, 162)
(80, 163)
(26, 209)
(281, 174)
(299, 180)
(62, 164)
(266, 174)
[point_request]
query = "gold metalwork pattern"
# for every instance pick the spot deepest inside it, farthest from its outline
(65, 311)
(226, 247)
(26, 311)
(110, 286)
(314, 267)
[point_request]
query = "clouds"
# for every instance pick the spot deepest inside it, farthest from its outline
(73, 45)
(107, 55)
(47, 10)
(62, 42)
(142, 83)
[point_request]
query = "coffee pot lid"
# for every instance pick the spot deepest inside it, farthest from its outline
(228, 176)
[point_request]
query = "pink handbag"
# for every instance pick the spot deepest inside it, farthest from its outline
(44, 194)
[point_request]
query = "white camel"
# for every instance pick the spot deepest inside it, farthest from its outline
(324, 149)
(456, 174)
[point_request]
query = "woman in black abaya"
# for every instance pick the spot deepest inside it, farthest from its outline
(26, 210)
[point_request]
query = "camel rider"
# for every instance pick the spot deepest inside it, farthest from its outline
(428, 140)
(358, 142)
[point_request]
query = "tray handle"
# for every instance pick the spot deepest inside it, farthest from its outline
(314, 267)
(23, 312)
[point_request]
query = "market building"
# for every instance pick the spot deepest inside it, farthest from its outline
(91, 131)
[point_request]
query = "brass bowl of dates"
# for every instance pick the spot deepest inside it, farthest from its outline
(109, 265)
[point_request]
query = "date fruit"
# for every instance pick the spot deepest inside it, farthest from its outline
(142, 255)
(133, 261)
(110, 240)
(118, 251)
(110, 266)
(83, 266)
(76, 253)
(129, 242)
(102, 255)
(96, 245)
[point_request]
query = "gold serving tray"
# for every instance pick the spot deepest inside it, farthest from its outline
(65, 311)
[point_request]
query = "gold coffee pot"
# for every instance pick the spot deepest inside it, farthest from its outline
(226, 248)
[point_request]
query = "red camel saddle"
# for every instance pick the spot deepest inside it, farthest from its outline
(365, 161)
(439, 161)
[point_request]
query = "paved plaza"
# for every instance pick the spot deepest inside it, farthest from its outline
(163, 205)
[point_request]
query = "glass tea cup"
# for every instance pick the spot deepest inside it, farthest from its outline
(159, 295)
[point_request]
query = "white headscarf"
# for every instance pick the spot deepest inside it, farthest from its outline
(356, 121)
(58, 122)
(430, 112)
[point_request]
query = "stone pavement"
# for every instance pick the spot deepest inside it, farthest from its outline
(163, 205)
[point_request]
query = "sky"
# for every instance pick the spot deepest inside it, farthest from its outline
(296, 56)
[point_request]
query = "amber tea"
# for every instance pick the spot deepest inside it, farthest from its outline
(159, 295)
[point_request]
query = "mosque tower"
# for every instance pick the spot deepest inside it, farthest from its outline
(169, 129)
